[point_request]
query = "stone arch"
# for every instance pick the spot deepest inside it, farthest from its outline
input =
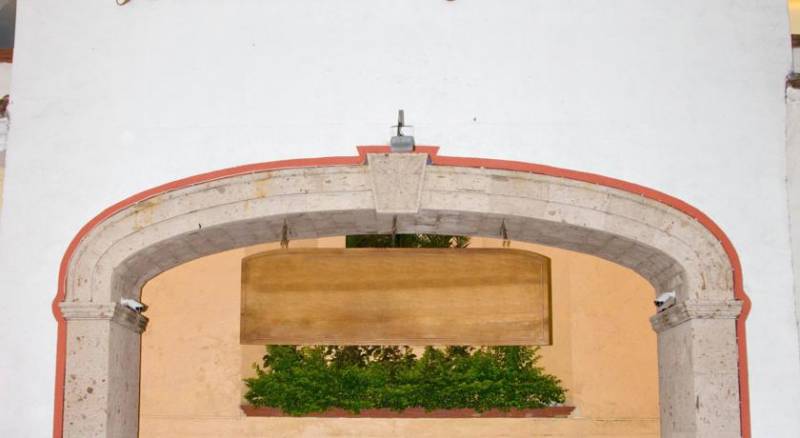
(702, 368)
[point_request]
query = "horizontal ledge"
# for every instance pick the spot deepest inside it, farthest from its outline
(689, 310)
(114, 312)
(551, 412)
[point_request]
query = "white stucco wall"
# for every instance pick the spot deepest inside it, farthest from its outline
(793, 183)
(684, 96)
(5, 87)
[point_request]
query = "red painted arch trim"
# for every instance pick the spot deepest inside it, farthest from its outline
(435, 159)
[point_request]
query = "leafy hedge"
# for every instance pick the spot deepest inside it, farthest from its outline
(302, 380)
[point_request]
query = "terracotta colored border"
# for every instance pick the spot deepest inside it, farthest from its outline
(435, 159)
(6, 55)
(551, 412)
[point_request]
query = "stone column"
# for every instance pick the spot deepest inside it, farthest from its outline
(101, 397)
(698, 369)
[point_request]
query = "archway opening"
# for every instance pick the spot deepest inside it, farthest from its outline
(603, 350)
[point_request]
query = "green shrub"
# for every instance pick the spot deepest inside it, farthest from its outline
(302, 380)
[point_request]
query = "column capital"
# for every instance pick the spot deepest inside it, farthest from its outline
(115, 312)
(688, 310)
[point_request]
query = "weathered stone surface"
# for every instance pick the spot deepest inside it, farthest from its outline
(670, 250)
(665, 246)
(102, 379)
(397, 181)
(698, 379)
(689, 310)
(114, 312)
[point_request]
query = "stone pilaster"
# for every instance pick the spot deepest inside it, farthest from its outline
(698, 369)
(101, 394)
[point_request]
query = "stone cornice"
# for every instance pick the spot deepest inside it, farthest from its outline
(687, 310)
(105, 312)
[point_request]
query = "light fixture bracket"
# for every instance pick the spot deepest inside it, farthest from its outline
(401, 142)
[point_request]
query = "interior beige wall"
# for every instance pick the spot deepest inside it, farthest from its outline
(604, 351)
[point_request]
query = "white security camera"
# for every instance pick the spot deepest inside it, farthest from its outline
(133, 305)
(665, 301)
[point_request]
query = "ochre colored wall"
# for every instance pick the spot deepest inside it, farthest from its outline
(794, 16)
(604, 351)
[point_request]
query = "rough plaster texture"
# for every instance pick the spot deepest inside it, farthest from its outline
(668, 248)
(684, 96)
(192, 348)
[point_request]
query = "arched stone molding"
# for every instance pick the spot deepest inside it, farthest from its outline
(699, 360)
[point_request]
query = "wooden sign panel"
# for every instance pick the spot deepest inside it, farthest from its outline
(393, 296)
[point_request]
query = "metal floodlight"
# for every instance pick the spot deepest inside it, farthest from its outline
(402, 142)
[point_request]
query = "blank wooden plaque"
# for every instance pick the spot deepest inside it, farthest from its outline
(393, 296)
